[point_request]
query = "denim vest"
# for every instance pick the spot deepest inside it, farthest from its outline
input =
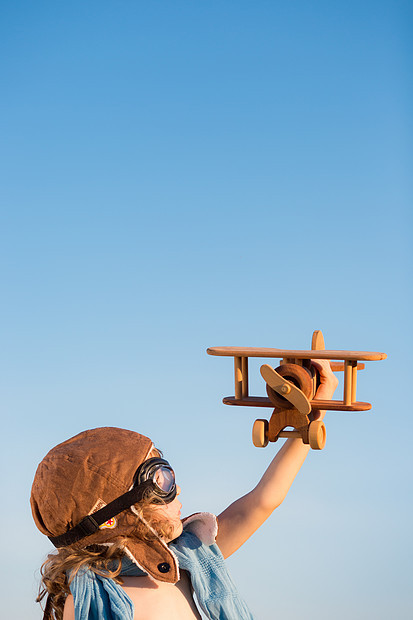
(99, 598)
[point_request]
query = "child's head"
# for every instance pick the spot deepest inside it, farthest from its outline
(109, 486)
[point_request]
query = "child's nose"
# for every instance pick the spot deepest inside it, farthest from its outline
(178, 490)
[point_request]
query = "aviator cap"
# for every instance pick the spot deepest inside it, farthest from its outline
(85, 473)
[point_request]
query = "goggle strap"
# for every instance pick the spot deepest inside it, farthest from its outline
(90, 524)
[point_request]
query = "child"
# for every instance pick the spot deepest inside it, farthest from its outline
(109, 502)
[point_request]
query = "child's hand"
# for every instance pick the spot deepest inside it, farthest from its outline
(328, 384)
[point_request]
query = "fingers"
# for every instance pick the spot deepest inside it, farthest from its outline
(326, 374)
(323, 366)
(328, 380)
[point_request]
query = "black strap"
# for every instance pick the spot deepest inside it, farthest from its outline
(90, 524)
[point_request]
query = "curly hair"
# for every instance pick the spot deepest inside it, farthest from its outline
(54, 584)
(104, 560)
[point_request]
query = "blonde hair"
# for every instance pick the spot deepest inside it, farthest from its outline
(104, 560)
(54, 584)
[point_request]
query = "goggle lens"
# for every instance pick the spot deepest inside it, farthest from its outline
(164, 478)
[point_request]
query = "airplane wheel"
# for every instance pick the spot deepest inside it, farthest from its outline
(317, 435)
(260, 433)
(298, 375)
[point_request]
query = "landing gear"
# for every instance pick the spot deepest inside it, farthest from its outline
(317, 435)
(260, 433)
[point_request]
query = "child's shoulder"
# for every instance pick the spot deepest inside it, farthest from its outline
(204, 525)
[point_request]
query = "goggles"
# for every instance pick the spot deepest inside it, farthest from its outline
(155, 478)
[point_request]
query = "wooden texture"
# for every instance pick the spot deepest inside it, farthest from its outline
(295, 395)
(244, 371)
(363, 356)
(283, 418)
(339, 366)
(328, 405)
(289, 435)
(260, 433)
(317, 435)
(354, 367)
(350, 381)
(238, 377)
(317, 341)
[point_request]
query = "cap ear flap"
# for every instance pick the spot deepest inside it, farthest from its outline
(154, 558)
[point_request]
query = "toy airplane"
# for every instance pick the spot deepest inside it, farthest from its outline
(291, 388)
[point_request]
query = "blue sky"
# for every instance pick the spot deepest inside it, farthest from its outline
(182, 175)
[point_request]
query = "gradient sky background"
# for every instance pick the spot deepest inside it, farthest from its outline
(178, 175)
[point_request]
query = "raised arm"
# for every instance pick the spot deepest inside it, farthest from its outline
(242, 518)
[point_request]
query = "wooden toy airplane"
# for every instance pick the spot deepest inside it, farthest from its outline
(291, 388)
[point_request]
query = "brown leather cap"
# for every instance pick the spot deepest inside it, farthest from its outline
(86, 472)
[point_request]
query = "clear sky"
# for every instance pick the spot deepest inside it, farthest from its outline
(178, 175)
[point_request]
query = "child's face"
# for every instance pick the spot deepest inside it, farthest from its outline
(172, 514)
